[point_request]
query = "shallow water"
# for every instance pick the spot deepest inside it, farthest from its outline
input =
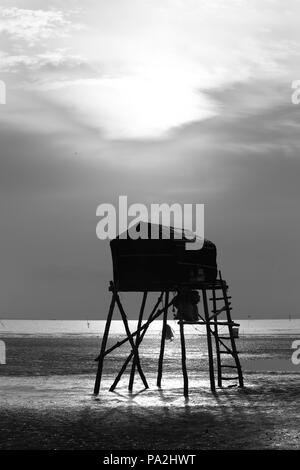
(32, 356)
(46, 398)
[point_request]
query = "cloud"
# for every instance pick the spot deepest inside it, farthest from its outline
(57, 59)
(34, 25)
(141, 70)
(194, 99)
(132, 107)
(242, 164)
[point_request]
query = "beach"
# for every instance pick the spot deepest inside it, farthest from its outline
(47, 402)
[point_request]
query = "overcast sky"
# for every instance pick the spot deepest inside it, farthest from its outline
(162, 101)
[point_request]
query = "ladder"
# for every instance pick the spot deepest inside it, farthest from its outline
(217, 315)
(226, 352)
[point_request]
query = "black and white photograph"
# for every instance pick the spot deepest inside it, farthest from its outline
(149, 229)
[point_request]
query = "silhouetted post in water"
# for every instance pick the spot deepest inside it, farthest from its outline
(137, 341)
(153, 315)
(216, 334)
(163, 340)
(183, 360)
(134, 347)
(143, 328)
(103, 345)
(209, 344)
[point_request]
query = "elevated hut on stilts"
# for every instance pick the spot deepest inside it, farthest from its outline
(164, 264)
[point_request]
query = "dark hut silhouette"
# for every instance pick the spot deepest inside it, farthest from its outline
(150, 264)
(164, 264)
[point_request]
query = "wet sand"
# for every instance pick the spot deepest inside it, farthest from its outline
(59, 412)
(46, 399)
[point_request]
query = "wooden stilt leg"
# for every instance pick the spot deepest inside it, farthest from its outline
(143, 327)
(123, 368)
(163, 340)
(103, 345)
(134, 347)
(216, 336)
(131, 380)
(183, 361)
(153, 315)
(209, 343)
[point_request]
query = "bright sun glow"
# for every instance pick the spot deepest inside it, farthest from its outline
(144, 104)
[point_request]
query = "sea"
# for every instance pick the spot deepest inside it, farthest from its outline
(47, 382)
(96, 327)
(43, 347)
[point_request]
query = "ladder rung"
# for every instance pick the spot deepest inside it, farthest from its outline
(220, 298)
(229, 366)
(224, 337)
(230, 378)
(223, 309)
